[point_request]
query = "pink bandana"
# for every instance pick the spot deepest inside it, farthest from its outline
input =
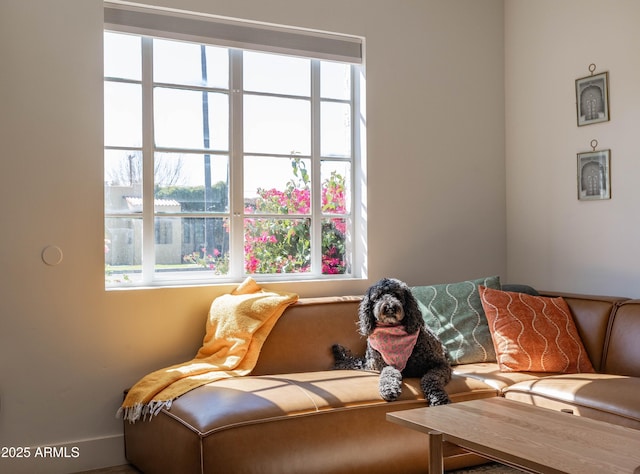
(394, 344)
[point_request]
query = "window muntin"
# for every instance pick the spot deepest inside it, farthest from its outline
(188, 117)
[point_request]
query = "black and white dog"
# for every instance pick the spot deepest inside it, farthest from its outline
(398, 343)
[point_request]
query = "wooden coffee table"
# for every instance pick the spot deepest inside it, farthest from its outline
(526, 437)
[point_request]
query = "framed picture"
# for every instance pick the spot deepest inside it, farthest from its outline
(592, 99)
(594, 181)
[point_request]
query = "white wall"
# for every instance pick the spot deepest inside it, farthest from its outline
(68, 348)
(556, 242)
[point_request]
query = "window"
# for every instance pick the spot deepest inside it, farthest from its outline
(224, 161)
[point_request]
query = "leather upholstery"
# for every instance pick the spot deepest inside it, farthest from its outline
(591, 315)
(623, 346)
(302, 338)
(489, 374)
(294, 414)
(606, 397)
(262, 413)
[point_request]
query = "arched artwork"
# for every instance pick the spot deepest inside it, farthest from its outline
(593, 175)
(592, 99)
(592, 102)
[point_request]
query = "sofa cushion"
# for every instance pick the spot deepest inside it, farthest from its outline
(533, 333)
(454, 312)
(325, 421)
(605, 397)
(255, 399)
(489, 373)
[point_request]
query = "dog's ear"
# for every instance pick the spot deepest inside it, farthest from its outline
(366, 319)
(412, 313)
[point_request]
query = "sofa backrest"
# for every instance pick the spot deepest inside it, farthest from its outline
(591, 315)
(622, 351)
(301, 340)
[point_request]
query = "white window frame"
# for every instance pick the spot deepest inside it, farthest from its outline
(152, 22)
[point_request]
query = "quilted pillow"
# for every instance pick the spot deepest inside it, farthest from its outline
(454, 312)
(533, 333)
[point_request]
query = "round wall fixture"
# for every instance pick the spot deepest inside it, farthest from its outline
(52, 255)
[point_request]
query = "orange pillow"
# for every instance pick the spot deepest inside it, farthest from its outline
(533, 333)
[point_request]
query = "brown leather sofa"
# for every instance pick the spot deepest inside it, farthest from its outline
(294, 414)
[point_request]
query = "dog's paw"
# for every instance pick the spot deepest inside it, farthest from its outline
(339, 352)
(344, 358)
(438, 397)
(341, 356)
(390, 383)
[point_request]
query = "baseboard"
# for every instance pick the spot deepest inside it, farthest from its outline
(64, 458)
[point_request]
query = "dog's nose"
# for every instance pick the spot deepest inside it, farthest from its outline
(390, 309)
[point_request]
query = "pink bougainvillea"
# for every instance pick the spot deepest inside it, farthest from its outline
(283, 244)
(288, 248)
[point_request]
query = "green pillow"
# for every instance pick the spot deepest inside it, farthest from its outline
(454, 312)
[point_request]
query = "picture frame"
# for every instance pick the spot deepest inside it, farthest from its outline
(592, 99)
(594, 177)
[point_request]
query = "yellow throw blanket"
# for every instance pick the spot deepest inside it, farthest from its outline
(237, 326)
